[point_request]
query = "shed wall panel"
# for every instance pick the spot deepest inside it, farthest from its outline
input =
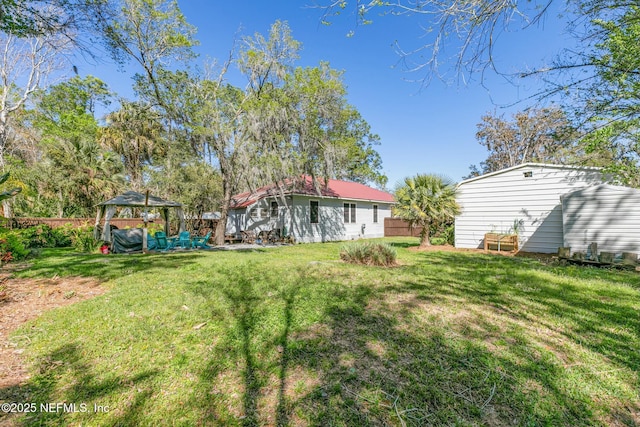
(607, 215)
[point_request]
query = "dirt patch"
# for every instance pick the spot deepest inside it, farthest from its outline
(22, 300)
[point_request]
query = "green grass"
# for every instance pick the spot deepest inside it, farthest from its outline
(293, 336)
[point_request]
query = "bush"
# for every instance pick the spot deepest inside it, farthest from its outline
(450, 234)
(438, 241)
(442, 234)
(82, 239)
(152, 227)
(43, 236)
(380, 254)
(12, 246)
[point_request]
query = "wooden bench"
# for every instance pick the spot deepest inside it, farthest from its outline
(231, 238)
(248, 236)
(500, 241)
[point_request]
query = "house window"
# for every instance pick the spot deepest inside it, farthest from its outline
(313, 212)
(349, 212)
(255, 212)
(528, 174)
(264, 213)
(375, 214)
(274, 209)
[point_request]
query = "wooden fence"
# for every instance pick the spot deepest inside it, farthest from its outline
(397, 227)
(76, 222)
(197, 226)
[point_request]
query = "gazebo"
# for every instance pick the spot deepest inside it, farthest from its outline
(131, 199)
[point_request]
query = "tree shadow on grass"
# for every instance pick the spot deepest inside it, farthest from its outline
(427, 349)
(545, 295)
(260, 355)
(111, 267)
(219, 383)
(63, 377)
(381, 367)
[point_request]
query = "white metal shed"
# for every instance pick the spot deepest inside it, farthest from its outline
(605, 214)
(527, 195)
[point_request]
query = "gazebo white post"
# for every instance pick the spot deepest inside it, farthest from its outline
(106, 230)
(144, 219)
(165, 215)
(96, 229)
(180, 213)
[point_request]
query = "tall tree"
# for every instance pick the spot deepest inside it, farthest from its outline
(612, 110)
(68, 18)
(152, 33)
(8, 193)
(426, 200)
(195, 183)
(74, 169)
(25, 65)
(135, 133)
(332, 139)
(595, 76)
(543, 135)
(81, 175)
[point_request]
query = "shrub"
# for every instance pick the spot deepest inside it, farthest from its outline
(12, 247)
(152, 227)
(368, 253)
(438, 241)
(82, 239)
(43, 236)
(449, 234)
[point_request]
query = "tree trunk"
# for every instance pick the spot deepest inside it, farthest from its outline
(424, 236)
(6, 208)
(60, 204)
(221, 227)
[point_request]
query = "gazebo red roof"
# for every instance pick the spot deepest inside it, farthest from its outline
(305, 187)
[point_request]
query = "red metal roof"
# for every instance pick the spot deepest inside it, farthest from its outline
(335, 188)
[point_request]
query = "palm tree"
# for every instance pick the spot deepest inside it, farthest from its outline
(424, 200)
(133, 132)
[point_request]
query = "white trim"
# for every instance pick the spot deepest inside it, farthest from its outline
(352, 209)
(540, 165)
(342, 198)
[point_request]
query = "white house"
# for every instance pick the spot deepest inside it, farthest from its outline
(525, 199)
(339, 210)
(605, 214)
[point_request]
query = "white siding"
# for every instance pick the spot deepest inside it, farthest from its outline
(294, 219)
(605, 214)
(493, 202)
(331, 225)
(235, 222)
(241, 219)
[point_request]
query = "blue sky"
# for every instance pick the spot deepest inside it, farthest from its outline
(422, 129)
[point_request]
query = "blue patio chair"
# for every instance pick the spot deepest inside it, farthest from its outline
(184, 240)
(152, 243)
(162, 242)
(201, 242)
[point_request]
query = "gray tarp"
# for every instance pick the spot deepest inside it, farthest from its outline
(125, 241)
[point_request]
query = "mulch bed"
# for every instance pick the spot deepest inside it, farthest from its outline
(22, 300)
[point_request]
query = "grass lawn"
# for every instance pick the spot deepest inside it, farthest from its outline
(293, 336)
